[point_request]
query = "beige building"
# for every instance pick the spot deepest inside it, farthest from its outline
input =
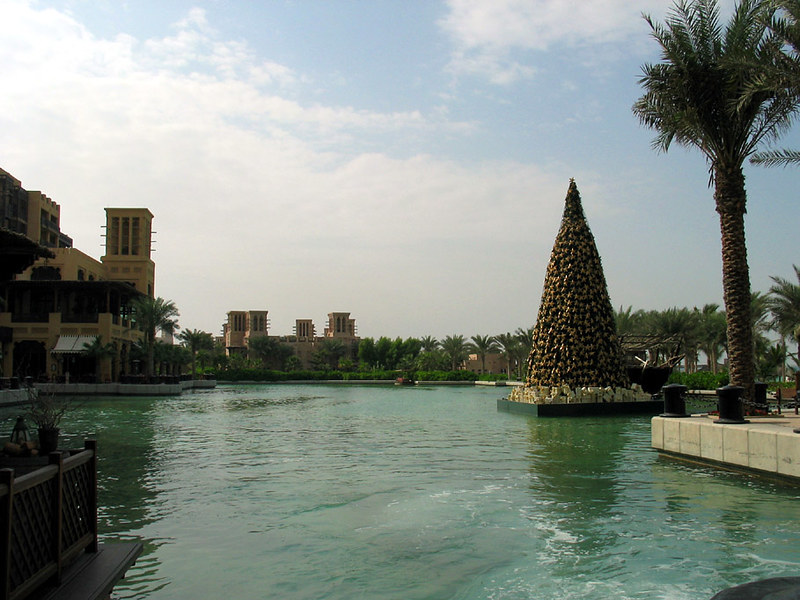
(129, 238)
(30, 213)
(243, 325)
(494, 364)
(58, 305)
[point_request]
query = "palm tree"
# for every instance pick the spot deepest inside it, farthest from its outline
(784, 304)
(99, 351)
(711, 336)
(456, 349)
(196, 340)
(270, 351)
(698, 97)
(512, 350)
(429, 343)
(629, 321)
(678, 330)
(783, 301)
(483, 345)
(328, 353)
(784, 78)
(151, 315)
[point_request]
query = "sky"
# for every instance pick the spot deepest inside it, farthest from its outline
(404, 161)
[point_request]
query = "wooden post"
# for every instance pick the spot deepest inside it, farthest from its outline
(57, 459)
(92, 499)
(6, 511)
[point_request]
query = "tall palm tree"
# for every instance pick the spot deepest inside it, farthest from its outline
(784, 78)
(483, 345)
(456, 349)
(512, 350)
(698, 97)
(150, 316)
(196, 340)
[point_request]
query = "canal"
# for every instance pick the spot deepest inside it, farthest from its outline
(384, 492)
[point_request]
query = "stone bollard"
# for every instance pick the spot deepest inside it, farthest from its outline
(674, 400)
(730, 405)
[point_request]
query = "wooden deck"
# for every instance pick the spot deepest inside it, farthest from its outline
(48, 532)
(94, 574)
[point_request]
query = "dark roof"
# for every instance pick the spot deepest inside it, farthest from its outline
(89, 286)
(18, 252)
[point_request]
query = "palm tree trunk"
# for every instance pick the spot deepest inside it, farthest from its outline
(730, 197)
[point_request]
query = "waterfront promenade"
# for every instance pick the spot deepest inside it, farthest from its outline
(765, 445)
(20, 396)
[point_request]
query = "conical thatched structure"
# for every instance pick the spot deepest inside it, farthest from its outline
(575, 341)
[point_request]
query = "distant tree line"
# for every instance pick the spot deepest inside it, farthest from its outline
(702, 331)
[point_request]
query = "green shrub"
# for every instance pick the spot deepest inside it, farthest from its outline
(267, 375)
(371, 375)
(446, 376)
(492, 377)
(701, 380)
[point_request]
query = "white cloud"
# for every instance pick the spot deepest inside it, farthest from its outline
(489, 35)
(248, 187)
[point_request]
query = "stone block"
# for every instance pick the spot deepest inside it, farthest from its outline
(657, 433)
(763, 449)
(711, 440)
(690, 437)
(672, 435)
(788, 450)
(735, 448)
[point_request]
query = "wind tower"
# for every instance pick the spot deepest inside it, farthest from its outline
(129, 235)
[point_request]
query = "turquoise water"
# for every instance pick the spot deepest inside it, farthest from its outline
(342, 492)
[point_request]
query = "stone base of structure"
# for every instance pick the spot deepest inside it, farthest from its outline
(577, 409)
(586, 395)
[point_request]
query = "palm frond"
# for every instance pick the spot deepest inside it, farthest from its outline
(776, 158)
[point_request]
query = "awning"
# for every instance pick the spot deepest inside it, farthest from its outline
(72, 344)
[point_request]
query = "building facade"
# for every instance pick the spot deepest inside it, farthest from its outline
(241, 326)
(32, 214)
(63, 302)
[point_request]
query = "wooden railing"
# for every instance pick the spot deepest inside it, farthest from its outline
(47, 518)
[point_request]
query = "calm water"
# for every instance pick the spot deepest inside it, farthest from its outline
(340, 492)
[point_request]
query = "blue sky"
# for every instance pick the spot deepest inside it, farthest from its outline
(404, 161)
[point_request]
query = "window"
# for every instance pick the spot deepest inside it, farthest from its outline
(135, 235)
(126, 236)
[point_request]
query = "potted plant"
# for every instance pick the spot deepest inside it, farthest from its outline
(46, 411)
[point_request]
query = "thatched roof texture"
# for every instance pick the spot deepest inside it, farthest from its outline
(575, 340)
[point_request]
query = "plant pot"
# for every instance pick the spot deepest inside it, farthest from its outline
(48, 441)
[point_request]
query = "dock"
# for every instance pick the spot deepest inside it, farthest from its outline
(767, 445)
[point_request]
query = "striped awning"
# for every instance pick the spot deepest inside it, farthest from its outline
(72, 344)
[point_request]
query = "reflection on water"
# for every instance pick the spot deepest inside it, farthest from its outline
(394, 492)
